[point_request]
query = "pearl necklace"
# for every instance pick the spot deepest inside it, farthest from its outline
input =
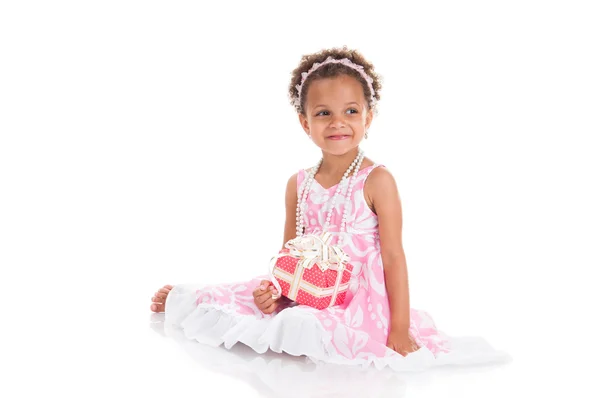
(305, 189)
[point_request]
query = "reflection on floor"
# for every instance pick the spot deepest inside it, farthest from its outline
(272, 374)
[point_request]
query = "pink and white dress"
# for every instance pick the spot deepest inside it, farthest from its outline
(354, 333)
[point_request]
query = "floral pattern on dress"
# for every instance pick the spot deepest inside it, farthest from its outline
(358, 328)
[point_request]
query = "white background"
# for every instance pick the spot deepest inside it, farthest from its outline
(146, 142)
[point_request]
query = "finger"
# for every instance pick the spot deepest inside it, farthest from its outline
(400, 351)
(411, 348)
(264, 284)
(264, 298)
(274, 292)
(414, 344)
(270, 309)
(274, 299)
(157, 300)
(269, 300)
(161, 295)
(260, 290)
(164, 290)
(265, 305)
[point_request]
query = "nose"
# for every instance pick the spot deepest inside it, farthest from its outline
(337, 121)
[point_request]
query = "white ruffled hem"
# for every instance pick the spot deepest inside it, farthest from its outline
(298, 332)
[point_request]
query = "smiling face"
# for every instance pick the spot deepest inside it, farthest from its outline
(337, 114)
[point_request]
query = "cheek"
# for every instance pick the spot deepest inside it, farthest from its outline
(359, 123)
(318, 124)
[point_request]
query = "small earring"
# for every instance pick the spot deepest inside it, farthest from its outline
(367, 134)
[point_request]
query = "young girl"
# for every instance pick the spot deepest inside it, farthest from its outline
(335, 93)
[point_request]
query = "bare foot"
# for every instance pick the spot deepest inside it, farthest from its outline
(160, 298)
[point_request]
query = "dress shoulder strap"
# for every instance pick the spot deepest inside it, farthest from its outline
(302, 174)
(373, 167)
(370, 169)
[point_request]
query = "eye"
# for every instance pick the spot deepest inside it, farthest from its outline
(350, 109)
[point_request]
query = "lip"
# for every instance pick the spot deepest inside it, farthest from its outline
(338, 137)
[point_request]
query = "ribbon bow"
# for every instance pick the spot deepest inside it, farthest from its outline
(316, 249)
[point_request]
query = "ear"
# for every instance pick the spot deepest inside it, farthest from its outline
(304, 123)
(369, 119)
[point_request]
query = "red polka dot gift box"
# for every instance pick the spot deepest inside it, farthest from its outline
(312, 272)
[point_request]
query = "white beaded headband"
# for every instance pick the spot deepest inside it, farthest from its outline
(331, 60)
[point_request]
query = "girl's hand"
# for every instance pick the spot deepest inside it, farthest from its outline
(402, 342)
(263, 297)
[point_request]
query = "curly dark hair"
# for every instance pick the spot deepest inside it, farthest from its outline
(332, 70)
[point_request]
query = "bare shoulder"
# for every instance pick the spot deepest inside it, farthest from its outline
(380, 186)
(292, 184)
(380, 177)
(293, 178)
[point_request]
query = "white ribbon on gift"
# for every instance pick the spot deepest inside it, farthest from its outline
(310, 250)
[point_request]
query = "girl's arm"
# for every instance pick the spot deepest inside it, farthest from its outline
(291, 199)
(383, 194)
(289, 232)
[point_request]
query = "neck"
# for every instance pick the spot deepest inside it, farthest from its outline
(337, 164)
